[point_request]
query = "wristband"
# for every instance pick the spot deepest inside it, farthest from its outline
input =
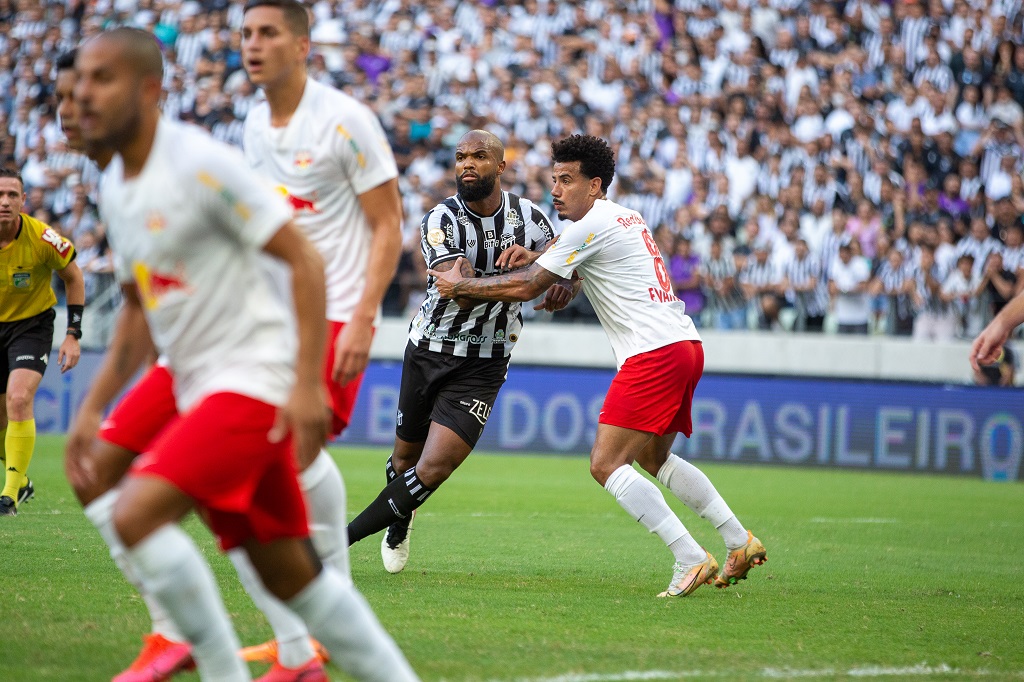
(75, 320)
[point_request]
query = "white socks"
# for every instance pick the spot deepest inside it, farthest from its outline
(101, 513)
(695, 490)
(328, 521)
(644, 502)
(172, 570)
(339, 617)
(293, 646)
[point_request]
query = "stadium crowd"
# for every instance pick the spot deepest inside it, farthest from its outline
(851, 165)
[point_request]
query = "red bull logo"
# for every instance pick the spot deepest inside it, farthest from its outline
(153, 286)
(300, 205)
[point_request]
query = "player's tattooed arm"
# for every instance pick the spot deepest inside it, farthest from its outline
(466, 270)
(524, 284)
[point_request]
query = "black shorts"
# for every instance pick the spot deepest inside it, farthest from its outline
(26, 344)
(453, 391)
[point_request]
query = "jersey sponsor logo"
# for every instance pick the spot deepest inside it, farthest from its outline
(59, 244)
(513, 220)
(303, 160)
(464, 219)
(628, 221)
(435, 237)
(360, 157)
(585, 244)
(153, 286)
(300, 205)
(471, 242)
(21, 280)
(431, 333)
(499, 336)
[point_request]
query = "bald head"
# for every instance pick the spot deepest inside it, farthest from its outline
(488, 140)
(137, 47)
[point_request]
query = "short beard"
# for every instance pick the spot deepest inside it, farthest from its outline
(481, 189)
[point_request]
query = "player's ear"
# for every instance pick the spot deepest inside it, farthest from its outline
(501, 167)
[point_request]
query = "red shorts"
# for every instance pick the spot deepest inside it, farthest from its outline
(218, 454)
(653, 391)
(343, 398)
(143, 412)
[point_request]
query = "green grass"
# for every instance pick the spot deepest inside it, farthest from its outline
(524, 568)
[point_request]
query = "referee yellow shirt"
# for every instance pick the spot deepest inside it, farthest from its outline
(27, 265)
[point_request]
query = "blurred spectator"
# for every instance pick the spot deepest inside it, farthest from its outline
(848, 288)
(721, 289)
(684, 269)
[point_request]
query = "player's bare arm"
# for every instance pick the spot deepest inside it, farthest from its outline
(988, 346)
(383, 208)
(74, 285)
(305, 414)
(129, 348)
(524, 284)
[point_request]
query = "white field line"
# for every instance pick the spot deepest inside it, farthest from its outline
(919, 670)
(862, 519)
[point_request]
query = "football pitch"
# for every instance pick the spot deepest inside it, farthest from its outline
(524, 569)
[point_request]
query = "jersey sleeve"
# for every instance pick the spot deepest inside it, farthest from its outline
(578, 243)
(538, 228)
(54, 249)
(439, 238)
(363, 150)
(237, 199)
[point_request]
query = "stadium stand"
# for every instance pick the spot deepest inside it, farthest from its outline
(742, 127)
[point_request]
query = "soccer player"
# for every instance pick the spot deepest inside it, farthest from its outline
(657, 349)
(328, 155)
(458, 351)
(30, 252)
(987, 348)
(192, 229)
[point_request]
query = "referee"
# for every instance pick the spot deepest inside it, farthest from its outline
(30, 251)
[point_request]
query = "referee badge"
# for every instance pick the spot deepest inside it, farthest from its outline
(22, 280)
(435, 236)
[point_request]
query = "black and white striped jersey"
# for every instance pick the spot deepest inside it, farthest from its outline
(450, 230)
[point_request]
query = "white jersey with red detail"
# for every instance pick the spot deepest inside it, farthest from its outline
(624, 277)
(332, 150)
(188, 231)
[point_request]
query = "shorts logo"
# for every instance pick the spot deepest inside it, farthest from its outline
(22, 280)
(24, 357)
(399, 417)
(43, 359)
(481, 411)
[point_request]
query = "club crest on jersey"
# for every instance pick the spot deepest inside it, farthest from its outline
(507, 240)
(155, 222)
(303, 160)
(435, 236)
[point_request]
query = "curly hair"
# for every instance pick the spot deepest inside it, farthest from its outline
(595, 156)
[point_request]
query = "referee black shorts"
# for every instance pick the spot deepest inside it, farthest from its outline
(453, 391)
(26, 344)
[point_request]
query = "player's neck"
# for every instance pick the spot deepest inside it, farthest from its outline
(284, 98)
(136, 151)
(487, 206)
(9, 231)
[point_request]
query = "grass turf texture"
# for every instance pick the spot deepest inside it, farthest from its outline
(523, 568)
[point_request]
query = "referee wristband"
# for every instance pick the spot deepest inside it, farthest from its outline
(75, 320)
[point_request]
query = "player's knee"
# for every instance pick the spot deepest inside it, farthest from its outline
(601, 470)
(402, 464)
(434, 473)
(19, 404)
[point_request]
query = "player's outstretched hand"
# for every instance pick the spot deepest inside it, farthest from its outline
(305, 416)
(445, 280)
(352, 352)
(987, 348)
(69, 353)
(513, 257)
(555, 298)
(78, 448)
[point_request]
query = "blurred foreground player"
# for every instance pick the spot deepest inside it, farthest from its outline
(658, 352)
(189, 225)
(327, 154)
